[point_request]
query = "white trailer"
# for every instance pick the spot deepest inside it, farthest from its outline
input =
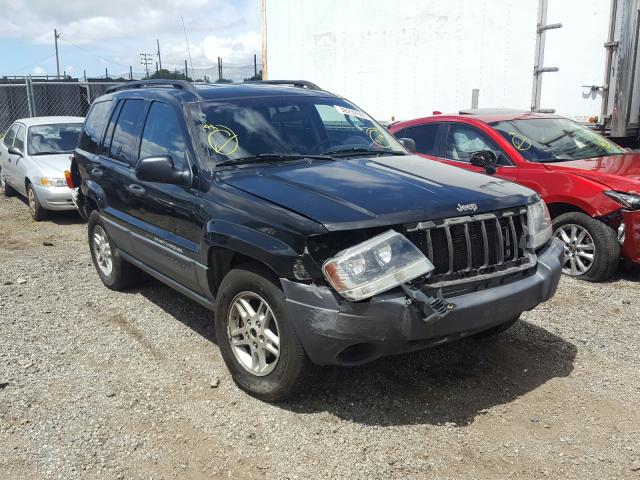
(401, 59)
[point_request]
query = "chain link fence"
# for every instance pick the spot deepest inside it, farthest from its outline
(39, 97)
(29, 98)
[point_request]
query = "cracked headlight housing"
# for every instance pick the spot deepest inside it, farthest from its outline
(378, 264)
(629, 201)
(539, 224)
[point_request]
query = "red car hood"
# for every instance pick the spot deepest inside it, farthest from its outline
(618, 172)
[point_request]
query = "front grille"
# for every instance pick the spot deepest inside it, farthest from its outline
(462, 248)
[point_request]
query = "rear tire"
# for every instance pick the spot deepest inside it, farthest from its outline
(264, 355)
(497, 330)
(115, 272)
(7, 189)
(587, 243)
(37, 211)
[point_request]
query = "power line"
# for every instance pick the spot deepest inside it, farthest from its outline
(109, 60)
(32, 64)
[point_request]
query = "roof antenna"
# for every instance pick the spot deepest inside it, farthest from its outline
(187, 40)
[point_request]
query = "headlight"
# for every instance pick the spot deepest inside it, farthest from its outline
(539, 224)
(378, 264)
(53, 182)
(627, 200)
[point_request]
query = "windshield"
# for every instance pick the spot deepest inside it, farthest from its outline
(554, 139)
(288, 126)
(51, 139)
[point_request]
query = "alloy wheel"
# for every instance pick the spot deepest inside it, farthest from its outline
(579, 249)
(253, 333)
(102, 250)
(3, 181)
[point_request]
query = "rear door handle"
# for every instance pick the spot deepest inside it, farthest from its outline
(136, 190)
(97, 172)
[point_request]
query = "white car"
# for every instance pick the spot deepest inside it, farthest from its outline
(34, 155)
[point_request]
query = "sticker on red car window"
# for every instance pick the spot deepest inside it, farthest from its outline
(519, 141)
(352, 112)
(222, 139)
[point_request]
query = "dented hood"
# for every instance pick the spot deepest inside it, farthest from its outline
(617, 172)
(364, 192)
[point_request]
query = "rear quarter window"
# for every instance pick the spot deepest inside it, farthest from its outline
(94, 126)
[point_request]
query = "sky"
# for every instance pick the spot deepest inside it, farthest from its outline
(99, 34)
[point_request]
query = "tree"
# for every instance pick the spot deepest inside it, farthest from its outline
(254, 77)
(165, 74)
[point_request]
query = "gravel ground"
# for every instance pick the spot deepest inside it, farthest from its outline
(99, 384)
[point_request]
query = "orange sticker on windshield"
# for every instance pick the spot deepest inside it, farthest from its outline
(378, 137)
(519, 141)
(222, 139)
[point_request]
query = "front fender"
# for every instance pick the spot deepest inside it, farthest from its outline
(276, 253)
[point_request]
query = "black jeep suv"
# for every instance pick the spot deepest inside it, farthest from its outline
(313, 234)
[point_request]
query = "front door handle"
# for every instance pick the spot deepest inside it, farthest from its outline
(97, 172)
(136, 190)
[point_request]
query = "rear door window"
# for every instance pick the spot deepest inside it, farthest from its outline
(94, 126)
(425, 136)
(124, 134)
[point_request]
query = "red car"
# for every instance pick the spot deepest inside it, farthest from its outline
(591, 185)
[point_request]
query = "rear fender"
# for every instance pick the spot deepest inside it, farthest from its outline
(95, 192)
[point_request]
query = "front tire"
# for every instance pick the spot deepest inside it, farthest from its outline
(37, 211)
(7, 189)
(115, 272)
(591, 248)
(256, 338)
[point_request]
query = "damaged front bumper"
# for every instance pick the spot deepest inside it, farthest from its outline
(335, 331)
(631, 231)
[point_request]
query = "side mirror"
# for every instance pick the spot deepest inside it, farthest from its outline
(161, 170)
(15, 151)
(409, 144)
(485, 159)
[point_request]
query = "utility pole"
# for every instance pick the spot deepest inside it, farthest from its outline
(255, 65)
(146, 60)
(219, 69)
(56, 36)
(186, 73)
(159, 57)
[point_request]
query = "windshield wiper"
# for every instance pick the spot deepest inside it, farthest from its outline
(265, 157)
(356, 151)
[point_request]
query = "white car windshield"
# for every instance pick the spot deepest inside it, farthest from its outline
(52, 139)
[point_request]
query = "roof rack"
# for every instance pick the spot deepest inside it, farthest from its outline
(179, 84)
(294, 83)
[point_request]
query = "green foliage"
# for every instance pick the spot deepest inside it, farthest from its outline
(165, 74)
